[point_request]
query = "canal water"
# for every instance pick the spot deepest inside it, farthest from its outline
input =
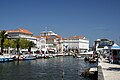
(58, 68)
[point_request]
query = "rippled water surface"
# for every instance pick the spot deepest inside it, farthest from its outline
(58, 68)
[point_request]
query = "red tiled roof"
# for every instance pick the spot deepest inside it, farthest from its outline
(20, 30)
(76, 37)
(41, 36)
(64, 39)
(37, 36)
(80, 37)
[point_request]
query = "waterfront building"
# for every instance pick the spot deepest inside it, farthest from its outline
(19, 33)
(38, 42)
(22, 33)
(50, 41)
(115, 53)
(77, 43)
(48, 33)
(101, 44)
(109, 49)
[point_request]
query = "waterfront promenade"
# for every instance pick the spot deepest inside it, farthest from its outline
(110, 71)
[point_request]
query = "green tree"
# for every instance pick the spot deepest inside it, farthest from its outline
(17, 41)
(6, 43)
(24, 43)
(30, 44)
(12, 43)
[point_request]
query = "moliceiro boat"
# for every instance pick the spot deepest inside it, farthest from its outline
(6, 58)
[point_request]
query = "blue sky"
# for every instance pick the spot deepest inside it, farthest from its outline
(91, 18)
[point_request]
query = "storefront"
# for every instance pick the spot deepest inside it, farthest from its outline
(115, 54)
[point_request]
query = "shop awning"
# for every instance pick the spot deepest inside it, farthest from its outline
(115, 46)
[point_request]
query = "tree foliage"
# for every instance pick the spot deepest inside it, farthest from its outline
(30, 44)
(14, 43)
(21, 43)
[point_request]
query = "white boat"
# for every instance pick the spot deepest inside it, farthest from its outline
(78, 56)
(29, 58)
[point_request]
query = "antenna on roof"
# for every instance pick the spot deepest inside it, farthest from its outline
(45, 29)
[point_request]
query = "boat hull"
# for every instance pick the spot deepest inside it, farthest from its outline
(29, 58)
(6, 59)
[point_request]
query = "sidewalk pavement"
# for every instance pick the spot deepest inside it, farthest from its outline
(100, 73)
(110, 71)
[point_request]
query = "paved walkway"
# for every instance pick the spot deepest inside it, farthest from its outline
(110, 71)
(100, 73)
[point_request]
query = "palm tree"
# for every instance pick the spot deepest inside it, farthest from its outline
(3, 36)
(17, 41)
(30, 44)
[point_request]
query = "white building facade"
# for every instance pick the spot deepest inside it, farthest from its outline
(49, 41)
(82, 44)
(24, 34)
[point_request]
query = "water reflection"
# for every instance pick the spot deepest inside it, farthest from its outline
(58, 68)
